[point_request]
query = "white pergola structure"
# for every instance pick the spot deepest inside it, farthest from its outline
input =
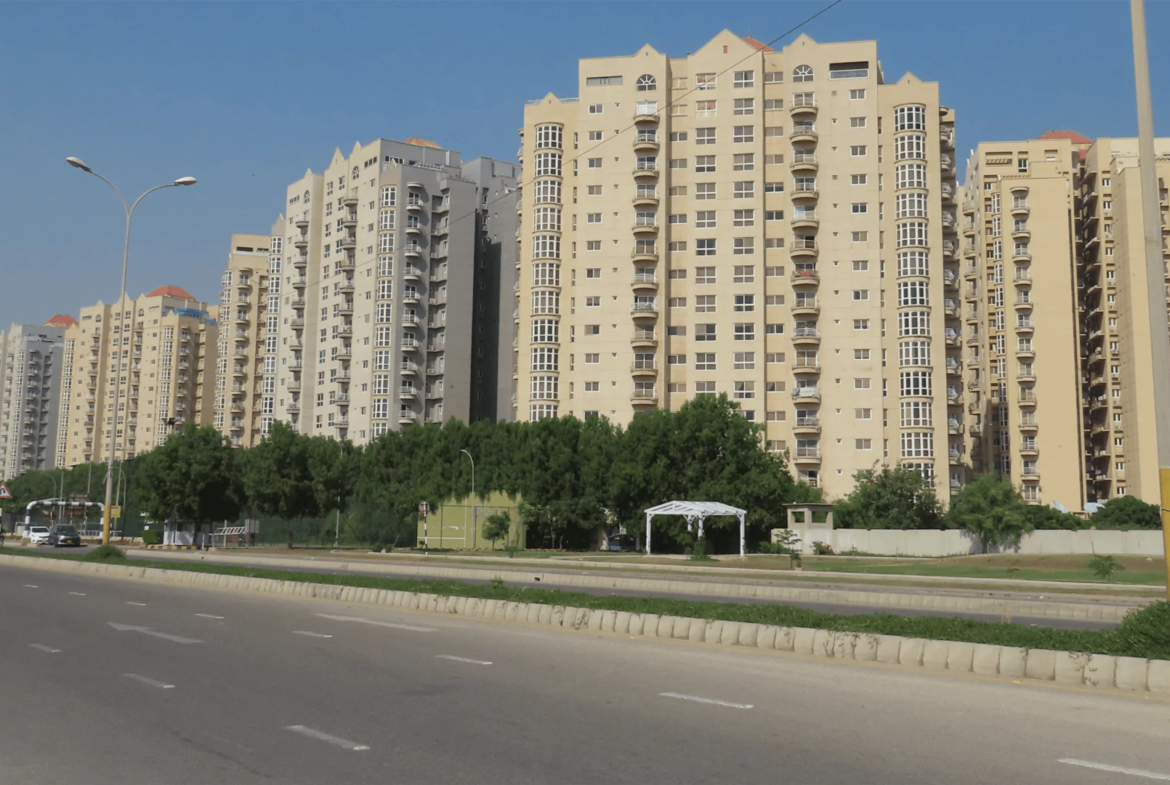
(696, 512)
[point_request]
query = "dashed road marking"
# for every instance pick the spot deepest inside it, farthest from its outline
(361, 620)
(207, 616)
(311, 634)
(31, 586)
(146, 680)
(711, 701)
(1149, 775)
(453, 658)
(77, 593)
(139, 604)
(325, 737)
(44, 648)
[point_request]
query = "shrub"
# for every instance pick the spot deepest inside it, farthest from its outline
(1145, 632)
(106, 553)
(152, 537)
(822, 549)
(1104, 567)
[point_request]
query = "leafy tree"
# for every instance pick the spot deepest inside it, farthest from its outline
(498, 527)
(1127, 512)
(885, 498)
(191, 477)
(1104, 567)
(277, 477)
(992, 509)
(1042, 517)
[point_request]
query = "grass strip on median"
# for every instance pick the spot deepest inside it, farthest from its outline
(1145, 633)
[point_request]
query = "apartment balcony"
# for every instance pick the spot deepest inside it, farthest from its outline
(947, 163)
(345, 288)
(803, 106)
(411, 321)
(806, 220)
(408, 369)
(1025, 327)
(806, 425)
(804, 192)
(646, 172)
(345, 331)
(297, 323)
(975, 429)
(805, 278)
(1020, 209)
(343, 377)
(350, 199)
(643, 339)
(951, 309)
(407, 393)
(646, 142)
(297, 303)
(950, 251)
(239, 370)
(954, 427)
(344, 353)
(411, 273)
(806, 455)
(955, 398)
(411, 297)
(293, 385)
(1023, 305)
(644, 368)
(806, 307)
(1023, 256)
(950, 279)
(803, 249)
(1098, 403)
(346, 265)
(946, 137)
(802, 133)
(644, 282)
(806, 336)
(954, 368)
(413, 251)
(643, 116)
(294, 407)
(1022, 277)
(300, 283)
(346, 308)
(414, 230)
(1030, 474)
(803, 162)
(1026, 352)
(441, 230)
(645, 200)
(301, 221)
(948, 222)
(644, 311)
(805, 366)
(954, 457)
(348, 242)
(644, 397)
(645, 254)
(642, 228)
(806, 395)
(301, 241)
(1029, 449)
(1028, 426)
(1021, 234)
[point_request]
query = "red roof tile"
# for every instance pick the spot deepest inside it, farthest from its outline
(1072, 136)
(761, 46)
(61, 320)
(171, 291)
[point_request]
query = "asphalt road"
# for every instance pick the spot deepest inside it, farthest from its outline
(209, 686)
(551, 583)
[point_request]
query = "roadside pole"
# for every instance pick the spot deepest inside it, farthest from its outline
(1155, 270)
(424, 509)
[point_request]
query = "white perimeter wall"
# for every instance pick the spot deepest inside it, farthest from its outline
(896, 542)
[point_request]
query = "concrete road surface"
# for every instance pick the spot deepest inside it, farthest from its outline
(119, 682)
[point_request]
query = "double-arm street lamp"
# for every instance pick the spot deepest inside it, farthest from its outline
(77, 163)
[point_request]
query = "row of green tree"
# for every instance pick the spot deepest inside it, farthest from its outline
(989, 507)
(571, 476)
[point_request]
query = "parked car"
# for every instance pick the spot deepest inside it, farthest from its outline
(64, 534)
(38, 535)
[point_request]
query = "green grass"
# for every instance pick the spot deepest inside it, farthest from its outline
(1144, 634)
(963, 568)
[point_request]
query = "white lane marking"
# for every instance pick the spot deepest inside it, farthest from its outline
(311, 634)
(325, 737)
(77, 593)
(161, 685)
(1149, 775)
(152, 633)
(460, 659)
(361, 620)
(44, 648)
(712, 701)
(31, 586)
(207, 616)
(139, 604)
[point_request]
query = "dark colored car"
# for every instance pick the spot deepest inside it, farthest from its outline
(63, 534)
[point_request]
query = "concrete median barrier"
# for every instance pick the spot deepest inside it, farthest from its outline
(1104, 672)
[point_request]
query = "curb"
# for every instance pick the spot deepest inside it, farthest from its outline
(845, 596)
(1097, 671)
(171, 547)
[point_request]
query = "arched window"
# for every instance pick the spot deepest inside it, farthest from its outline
(647, 82)
(802, 73)
(355, 175)
(306, 197)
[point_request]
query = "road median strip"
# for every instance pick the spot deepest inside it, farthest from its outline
(1126, 659)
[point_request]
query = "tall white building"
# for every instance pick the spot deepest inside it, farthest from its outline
(31, 367)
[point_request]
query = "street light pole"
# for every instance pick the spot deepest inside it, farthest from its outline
(1155, 271)
(473, 519)
(77, 163)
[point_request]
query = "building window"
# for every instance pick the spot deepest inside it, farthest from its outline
(705, 303)
(705, 247)
(704, 332)
(744, 79)
(705, 361)
(704, 136)
(911, 117)
(743, 133)
(704, 163)
(802, 73)
(744, 106)
(745, 331)
(646, 83)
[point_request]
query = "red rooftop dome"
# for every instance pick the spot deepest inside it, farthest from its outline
(171, 291)
(61, 320)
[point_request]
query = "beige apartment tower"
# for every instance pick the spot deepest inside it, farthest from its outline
(243, 334)
(779, 226)
(163, 344)
(1118, 392)
(1021, 324)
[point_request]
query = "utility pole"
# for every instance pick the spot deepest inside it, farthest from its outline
(1155, 271)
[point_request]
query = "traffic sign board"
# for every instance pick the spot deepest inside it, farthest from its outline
(115, 511)
(4, 492)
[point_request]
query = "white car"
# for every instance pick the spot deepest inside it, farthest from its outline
(38, 535)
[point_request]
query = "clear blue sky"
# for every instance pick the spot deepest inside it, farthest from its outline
(246, 96)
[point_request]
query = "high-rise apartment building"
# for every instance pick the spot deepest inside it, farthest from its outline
(779, 226)
(1118, 392)
(243, 335)
(163, 346)
(30, 390)
(1019, 292)
(377, 301)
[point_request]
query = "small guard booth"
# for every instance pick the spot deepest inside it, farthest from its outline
(697, 512)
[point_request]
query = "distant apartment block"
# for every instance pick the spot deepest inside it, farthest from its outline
(779, 226)
(31, 363)
(384, 291)
(163, 346)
